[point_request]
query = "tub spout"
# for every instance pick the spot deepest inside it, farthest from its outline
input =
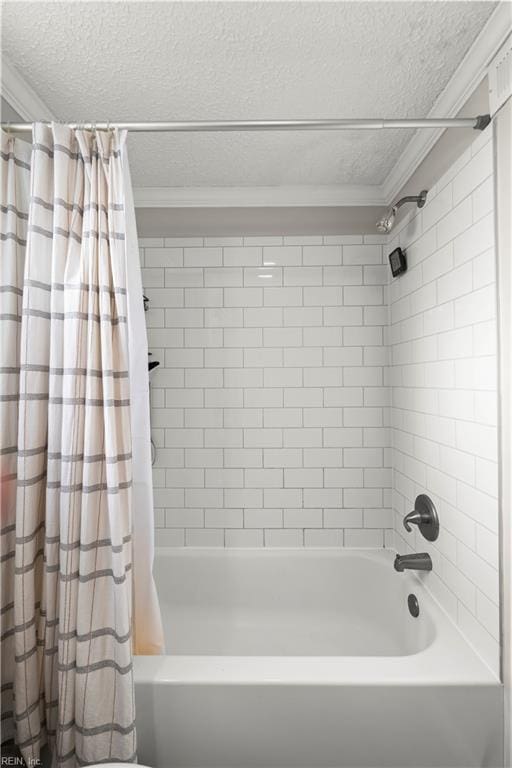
(418, 562)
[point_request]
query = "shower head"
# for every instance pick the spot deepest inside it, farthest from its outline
(385, 224)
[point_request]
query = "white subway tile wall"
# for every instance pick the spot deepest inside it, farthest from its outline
(443, 378)
(270, 414)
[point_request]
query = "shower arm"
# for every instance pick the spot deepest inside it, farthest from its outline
(420, 200)
(478, 123)
(408, 199)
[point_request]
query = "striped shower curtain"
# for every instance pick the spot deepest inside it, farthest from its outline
(14, 201)
(66, 449)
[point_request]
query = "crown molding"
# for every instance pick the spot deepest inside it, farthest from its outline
(20, 96)
(258, 197)
(466, 78)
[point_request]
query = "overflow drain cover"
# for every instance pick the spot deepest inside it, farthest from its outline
(414, 606)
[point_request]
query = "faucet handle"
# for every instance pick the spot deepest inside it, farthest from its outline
(413, 518)
(424, 515)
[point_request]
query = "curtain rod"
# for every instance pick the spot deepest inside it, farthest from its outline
(478, 123)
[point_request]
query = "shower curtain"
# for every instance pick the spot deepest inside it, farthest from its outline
(69, 607)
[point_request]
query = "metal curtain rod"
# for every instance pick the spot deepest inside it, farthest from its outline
(478, 123)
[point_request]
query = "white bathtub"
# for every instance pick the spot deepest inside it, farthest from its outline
(307, 659)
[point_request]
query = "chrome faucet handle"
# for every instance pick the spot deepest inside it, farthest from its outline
(424, 515)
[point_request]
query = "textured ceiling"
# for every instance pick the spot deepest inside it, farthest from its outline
(244, 60)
